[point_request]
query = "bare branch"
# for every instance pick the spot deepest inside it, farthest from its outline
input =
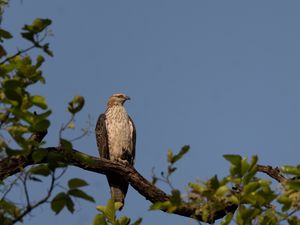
(272, 172)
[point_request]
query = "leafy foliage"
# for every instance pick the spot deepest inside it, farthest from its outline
(24, 120)
(107, 215)
(64, 199)
(18, 112)
(257, 200)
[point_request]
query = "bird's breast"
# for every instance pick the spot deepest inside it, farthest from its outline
(119, 131)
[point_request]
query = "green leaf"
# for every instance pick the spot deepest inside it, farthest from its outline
(170, 156)
(58, 202)
(70, 204)
(76, 183)
(76, 104)
(213, 183)
(40, 126)
(118, 205)
(175, 198)
(9, 208)
(285, 201)
(41, 170)
(294, 184)
(291, 170)
(47, 50)
(253, 162)
(55, 160)
(5, 34)
(227, 219)
(39, 155)
(293, 220)
(250, 187)
(42, 116)
(28, 36)
(222, 190)
(138, 221)
(99, 220)
(233, 159)
(38, 25)
(101, 208)
(2, 51)
(124, 220)
(66, 144)
(110, 211)
(39, 61)
(197, 188)
(80, 194)
(13, 90)
(39, 101)
(181, 153)
(244, 166)
(160, 205)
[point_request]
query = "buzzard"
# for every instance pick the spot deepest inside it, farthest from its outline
(116, 136)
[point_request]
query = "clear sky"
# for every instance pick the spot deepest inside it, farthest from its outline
(222, 76)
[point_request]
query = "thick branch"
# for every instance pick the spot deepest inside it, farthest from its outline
(12, 165)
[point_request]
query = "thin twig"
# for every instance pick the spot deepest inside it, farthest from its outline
(20, 52)
(43, 200)
(26, 190)
(11, 186)
(84, 133)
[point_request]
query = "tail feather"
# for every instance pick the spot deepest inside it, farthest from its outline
(118, 187)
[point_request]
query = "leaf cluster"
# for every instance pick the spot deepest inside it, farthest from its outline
(65, 199)
(107, 215)
(18, 106)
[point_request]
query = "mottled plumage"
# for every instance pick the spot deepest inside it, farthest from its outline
(116, 137)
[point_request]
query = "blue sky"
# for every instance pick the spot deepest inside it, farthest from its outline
(222, 76)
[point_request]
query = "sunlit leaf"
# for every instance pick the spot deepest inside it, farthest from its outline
(76, 104)
(39, 101)
(291, 170)
(99, 220)
(124, 220)
(234, 159)
(227, 219)
(110, 211)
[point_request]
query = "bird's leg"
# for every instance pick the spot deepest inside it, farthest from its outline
(126, 157)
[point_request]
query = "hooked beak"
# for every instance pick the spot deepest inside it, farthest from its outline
(128, 98)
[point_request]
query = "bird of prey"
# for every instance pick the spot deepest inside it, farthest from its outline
(116, 137)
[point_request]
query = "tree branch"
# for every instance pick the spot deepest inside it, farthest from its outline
(14, 164)
(272, 172)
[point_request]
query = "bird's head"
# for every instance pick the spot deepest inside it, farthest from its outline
(117, 99)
